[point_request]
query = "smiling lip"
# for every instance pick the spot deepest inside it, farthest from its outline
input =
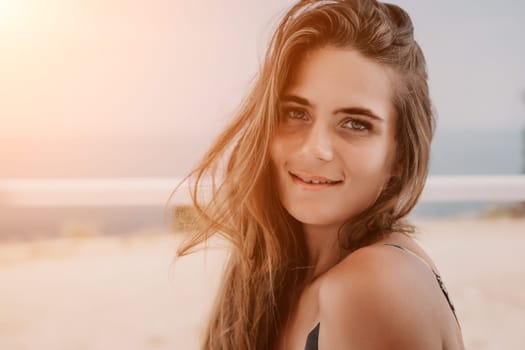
(306, 176)
(312, 187)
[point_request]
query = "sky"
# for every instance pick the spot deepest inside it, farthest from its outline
(103, 88)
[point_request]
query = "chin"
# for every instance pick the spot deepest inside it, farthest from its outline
(317, 219)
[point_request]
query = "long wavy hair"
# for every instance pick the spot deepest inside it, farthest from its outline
(267, 248)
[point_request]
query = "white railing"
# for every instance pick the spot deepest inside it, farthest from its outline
(156, 191)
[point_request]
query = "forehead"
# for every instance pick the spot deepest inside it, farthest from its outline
(333, 78)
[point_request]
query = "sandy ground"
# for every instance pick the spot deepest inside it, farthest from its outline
(128, 293)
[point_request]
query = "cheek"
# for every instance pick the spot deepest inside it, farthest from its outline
(276, 151)
(280, 148)
(371, 160)
(278, 161)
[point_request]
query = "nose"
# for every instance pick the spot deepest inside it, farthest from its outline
(318, 143)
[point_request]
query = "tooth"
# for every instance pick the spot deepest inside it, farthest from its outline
(320, 182)
(316, 182)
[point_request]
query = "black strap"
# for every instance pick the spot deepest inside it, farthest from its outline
(438, 278)
(312, 339)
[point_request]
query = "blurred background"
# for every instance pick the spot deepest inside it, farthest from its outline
(118, 90)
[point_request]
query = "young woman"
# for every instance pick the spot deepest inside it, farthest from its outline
(312, 180)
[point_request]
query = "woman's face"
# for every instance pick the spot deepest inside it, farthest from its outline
(337, 125)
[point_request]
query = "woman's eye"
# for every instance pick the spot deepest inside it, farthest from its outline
(293, 113)
(356, 125)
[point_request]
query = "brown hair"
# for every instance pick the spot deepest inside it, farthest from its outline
(267, 246)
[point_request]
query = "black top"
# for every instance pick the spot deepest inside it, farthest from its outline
(313, 337)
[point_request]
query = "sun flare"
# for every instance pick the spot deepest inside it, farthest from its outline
(7, 8)
(10, 12)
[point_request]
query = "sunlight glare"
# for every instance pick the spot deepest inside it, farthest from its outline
(10, 14)
(9, 9)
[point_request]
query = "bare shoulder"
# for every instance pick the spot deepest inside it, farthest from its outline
(377, 298)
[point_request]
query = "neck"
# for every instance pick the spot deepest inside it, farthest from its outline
(323, 247)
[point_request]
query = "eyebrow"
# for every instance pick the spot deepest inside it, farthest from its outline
(348, 110)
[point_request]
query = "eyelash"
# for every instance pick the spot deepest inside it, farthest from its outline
(362, 125)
